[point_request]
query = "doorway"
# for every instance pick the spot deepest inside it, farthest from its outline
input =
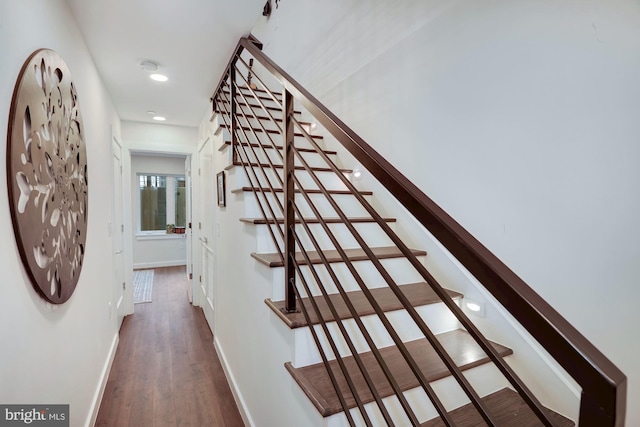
(160, 199)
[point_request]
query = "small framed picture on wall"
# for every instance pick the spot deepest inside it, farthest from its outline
(222, 197)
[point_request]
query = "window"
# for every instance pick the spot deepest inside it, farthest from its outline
(162, 202)
(181, 201)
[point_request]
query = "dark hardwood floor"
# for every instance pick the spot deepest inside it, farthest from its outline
(166, 371)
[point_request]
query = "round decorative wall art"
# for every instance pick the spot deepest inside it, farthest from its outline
(47, 175)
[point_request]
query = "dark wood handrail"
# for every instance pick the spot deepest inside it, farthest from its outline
(603, 384)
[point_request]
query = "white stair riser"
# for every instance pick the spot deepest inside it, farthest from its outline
(238, 179)
(270, 124)
(270, 139)
(347, 203)
(398, 268)
(258, 133)
(437, 317)
(370, 232)
(266, 155)
(485, 379)
(226, 106)
(261, 124)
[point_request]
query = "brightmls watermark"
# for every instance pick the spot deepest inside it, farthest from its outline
(34, 415)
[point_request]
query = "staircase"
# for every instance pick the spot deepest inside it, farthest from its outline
(375, 339)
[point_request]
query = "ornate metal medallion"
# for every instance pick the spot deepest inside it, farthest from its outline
(47, 175)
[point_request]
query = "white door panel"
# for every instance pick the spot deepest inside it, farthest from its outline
(117, 236)
(205, 228)
(189, 230)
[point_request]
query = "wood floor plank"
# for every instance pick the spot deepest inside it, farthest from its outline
(166, 371)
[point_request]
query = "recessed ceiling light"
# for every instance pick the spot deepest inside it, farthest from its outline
(159, 118)
(151, 113)
(159, 77)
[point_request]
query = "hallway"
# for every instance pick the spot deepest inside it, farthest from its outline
(166, 370)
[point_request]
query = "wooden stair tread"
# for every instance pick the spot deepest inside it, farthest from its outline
(277, 166)
(248, 94)
(506, 407)
(245, 88)
(316, 384)
(308, 191)
(258, 106)
(382, 252)
(260, 117)
(272, 131)
(418, 293)
(329, 220)
(277, 147)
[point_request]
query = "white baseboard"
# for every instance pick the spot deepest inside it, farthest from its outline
(142, 265)
(237, 395)
(104, 377)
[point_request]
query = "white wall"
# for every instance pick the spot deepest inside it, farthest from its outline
(518, 118)
(58, 354)
(159, 138)
(158, 250)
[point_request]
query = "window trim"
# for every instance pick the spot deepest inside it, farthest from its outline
(170, 206)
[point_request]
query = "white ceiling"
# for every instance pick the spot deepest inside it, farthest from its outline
(191, 41)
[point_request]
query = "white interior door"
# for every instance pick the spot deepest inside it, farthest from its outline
(189, 231)
(206, 280)
(117, 234)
